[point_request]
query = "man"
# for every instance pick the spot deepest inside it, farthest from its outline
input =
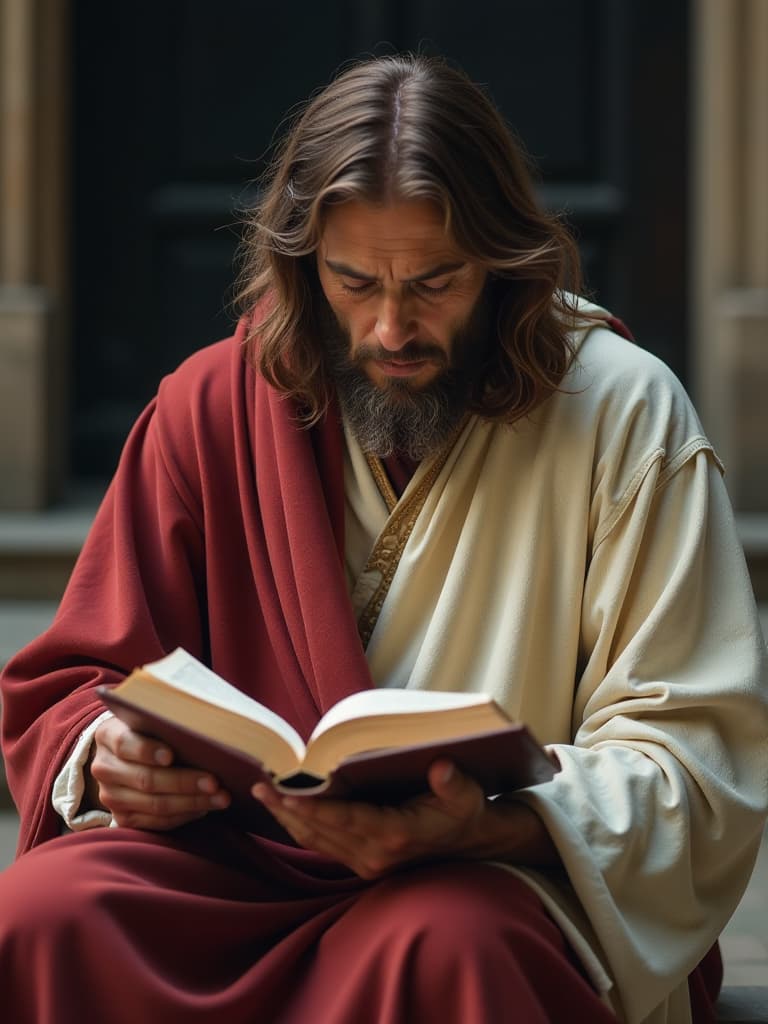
(419, 463)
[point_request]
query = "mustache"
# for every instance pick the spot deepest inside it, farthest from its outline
(413, 352)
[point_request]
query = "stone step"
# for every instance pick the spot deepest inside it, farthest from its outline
(743, 1004)
(38, 550)
(20, 622)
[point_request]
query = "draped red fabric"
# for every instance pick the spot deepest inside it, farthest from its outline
(222, 532)
(207, 927)
(619, 327)
(399, 468)
(704, 987)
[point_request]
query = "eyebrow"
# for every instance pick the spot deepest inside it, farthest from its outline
(357, 275)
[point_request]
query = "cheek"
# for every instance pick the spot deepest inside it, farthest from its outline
(355, 320)
(443, 324)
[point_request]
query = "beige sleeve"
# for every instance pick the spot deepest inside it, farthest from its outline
(69, 785)
(661, 802)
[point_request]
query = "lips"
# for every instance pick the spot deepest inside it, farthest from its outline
(401, 368)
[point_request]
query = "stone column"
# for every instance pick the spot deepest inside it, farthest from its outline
(730, 239)
(33, 287)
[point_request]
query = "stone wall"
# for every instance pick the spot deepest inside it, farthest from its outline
(729, 246)
(34, 199)
(729, 243)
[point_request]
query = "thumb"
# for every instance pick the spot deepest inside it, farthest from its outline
(452, 786)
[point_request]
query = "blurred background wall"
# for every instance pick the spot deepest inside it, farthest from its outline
(130, 134)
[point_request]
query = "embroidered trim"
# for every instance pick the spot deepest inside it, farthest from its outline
(379, 474)
(388, 549)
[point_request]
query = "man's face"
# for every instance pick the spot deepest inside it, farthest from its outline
(407, 327)
(399, 288)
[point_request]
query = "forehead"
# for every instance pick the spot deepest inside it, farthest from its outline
(411, 232)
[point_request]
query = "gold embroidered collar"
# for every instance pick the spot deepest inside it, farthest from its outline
(403, 513)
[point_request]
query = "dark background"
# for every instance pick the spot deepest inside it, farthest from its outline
(176, 102)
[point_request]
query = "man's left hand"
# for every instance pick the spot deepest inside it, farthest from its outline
(453, 820)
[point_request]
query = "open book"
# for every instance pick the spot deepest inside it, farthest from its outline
(375, 745)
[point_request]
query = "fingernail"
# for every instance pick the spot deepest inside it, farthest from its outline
(206, 784)
(220, 800)
(163, 756)
(446, 773)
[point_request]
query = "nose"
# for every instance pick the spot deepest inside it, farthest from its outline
(394, 326)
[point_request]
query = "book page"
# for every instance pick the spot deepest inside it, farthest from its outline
(368, 703)
(184, 672)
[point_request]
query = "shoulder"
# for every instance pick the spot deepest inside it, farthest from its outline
(200, 399)
(605, 357)
(626, 396)
(204, 374)
(199, 411)
(621, 417)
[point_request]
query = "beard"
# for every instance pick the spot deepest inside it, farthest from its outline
(396, 416)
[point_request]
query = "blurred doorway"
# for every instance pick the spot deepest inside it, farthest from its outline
(175, 104)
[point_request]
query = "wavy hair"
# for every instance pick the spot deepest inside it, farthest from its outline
(395, 129)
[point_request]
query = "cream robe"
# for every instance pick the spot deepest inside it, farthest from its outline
(583, 568)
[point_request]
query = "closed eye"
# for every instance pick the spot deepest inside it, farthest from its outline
(430, 289)
(356, 289)
(420, 287)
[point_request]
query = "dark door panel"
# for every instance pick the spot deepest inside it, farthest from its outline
(176, 104)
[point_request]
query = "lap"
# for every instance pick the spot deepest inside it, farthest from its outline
(209, 918)
(228, 870)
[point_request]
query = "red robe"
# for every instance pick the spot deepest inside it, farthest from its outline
(223, 533)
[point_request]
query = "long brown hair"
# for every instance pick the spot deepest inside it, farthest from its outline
(396, 129)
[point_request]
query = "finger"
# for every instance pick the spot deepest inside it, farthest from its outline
(132, 746)
(108, 768)
(459, 794)
(356, 819)
(384, 840)
(152, 823)
(361, 857)
(377, 835)
(298, 818)
(125, 801)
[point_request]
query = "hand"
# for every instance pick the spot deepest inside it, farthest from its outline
(454, 820)
(130, 775)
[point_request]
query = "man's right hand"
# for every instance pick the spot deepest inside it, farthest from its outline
(131, 776)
